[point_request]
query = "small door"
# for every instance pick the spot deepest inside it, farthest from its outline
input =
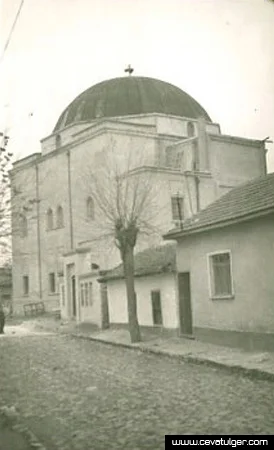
(156, 308)
(185, 314)
(73, 296)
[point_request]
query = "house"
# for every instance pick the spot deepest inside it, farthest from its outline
(6, 286)
(155, 287)
(173, 142)
(225, 263)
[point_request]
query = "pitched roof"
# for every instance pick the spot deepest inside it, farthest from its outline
(151, 261)
(243, 202)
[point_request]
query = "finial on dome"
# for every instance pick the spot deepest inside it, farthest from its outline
(129, 69)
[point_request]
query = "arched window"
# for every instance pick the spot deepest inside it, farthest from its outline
(90, 208)
(58, 141)
(190, 129)
(59, 217)
(49, 219)
(23, 226)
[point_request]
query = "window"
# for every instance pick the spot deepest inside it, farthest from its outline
(62, 291)
(156, 308)
(23, 226)
(59, 217)
(177, 208)
(196, 162)
(52, 285)
(190, 129)
(82, 294)
(25, 285)
(220, 275)
(58, 141)
(90, 293)
(49, 219)
(90, 208)
(86, 294)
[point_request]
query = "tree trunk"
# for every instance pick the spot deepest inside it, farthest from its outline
(128, 262)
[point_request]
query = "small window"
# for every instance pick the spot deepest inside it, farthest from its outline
(62, 290)
(156, 308)
(59, 217)
(86, 294)
(52, 284)
(177, 208)
(25, 285)
(82, 295)
(90, 208)
(90, 292)
(220, 275)
(196, 159)
(49, 219)
(58, 141)
(23, 226)
(190, 129)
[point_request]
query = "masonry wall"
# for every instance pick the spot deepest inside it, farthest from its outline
(235, 161)
(70, 166)
(143, 286)
(252, 250)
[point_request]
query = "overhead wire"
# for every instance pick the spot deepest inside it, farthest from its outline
(12, 30)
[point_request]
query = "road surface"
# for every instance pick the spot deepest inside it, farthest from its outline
(77, 394)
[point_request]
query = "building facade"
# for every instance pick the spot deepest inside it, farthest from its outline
(227, 256)
(174, 142)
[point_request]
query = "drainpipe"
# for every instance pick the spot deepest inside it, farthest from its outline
(70, 200)
(38, 230)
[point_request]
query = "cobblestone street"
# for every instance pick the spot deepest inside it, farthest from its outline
(77, 394)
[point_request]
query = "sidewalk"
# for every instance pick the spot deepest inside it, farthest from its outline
(255, 364)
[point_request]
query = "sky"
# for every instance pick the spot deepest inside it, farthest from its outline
(221, 52)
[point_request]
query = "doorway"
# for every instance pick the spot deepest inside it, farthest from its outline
(185, 313)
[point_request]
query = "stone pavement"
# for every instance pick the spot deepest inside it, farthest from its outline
(255, 364)
(13, 434)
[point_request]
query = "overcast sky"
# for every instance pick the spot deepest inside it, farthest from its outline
(219, 51)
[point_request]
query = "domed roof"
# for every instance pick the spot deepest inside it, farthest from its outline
(130, 95)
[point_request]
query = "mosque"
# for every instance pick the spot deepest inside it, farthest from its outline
(182, 150)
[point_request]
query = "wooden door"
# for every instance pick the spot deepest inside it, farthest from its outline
(185, 314)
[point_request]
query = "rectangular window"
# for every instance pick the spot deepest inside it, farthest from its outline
(156, 308)
(177, 208)
(221, 277)
(90, 293)
(82, 295)
(52, 286)
(86, 294)
(25, 285)
(62, 293)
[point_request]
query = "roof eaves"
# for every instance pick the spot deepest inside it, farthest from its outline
(145, 273)
(218, 224)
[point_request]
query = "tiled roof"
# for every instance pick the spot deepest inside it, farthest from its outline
(243, 201)
(153, 260)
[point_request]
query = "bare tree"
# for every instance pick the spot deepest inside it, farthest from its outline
(5, 211)
(124, 198)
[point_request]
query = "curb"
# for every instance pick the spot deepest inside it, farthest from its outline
(17, 425)
(248, 372)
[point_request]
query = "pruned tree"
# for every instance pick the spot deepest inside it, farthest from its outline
(124, 198)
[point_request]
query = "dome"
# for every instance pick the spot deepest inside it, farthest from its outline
(128, 96)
